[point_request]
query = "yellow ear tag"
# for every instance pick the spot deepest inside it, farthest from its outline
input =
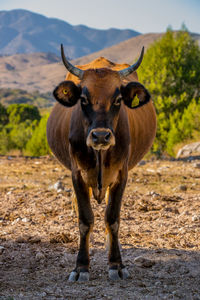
(65, 92)
(135, 101)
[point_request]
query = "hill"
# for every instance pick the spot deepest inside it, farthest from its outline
(18, 96)
(43, 71)
(128, 50)
(23, 31)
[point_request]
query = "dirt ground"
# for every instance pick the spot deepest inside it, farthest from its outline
(159, 233)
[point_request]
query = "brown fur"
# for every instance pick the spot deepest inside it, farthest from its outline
(142, 121)
(133, 134)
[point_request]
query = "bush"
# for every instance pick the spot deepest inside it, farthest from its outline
(38, 145)
(21, 134)
(3, 115)
(19, 113)
(171, 72)
(17, 124)
(184, 128)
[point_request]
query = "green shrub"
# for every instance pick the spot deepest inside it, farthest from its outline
(17, 124)
(185, 127)
(19, 113)
(38, 145)
(171, 72)
(3, 115)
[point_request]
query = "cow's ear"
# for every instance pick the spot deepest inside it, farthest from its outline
(67, 93)
(135, 94)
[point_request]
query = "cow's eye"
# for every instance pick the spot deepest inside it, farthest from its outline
(84, 100)
(117, 101)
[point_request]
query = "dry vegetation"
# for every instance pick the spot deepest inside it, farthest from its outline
(160, 221)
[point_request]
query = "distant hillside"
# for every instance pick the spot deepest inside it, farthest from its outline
(22, 31)
(128, 50)
(43, 71)
(17, 96)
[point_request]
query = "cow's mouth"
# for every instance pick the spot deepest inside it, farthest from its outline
(100, 139)
(99, 147)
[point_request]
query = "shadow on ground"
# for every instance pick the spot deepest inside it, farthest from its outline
(40, 271)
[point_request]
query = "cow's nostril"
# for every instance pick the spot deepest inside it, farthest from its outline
(94, 136)
(101, 137)
(107, 136)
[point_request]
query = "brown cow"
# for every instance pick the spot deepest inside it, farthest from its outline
(102, 126)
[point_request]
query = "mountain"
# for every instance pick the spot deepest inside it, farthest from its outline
(22, 31)
(128, 50)
(43, 71)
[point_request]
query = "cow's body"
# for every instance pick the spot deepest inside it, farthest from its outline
(134, 132)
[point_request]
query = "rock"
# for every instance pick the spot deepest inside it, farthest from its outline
(59, 187)
(144, 262)
(1, 249)
(189, 149)
(150, 170)
(43, 294)
(196, 218)
(21, 239)
(15, 221)
(182, 187)
(25, 220)
(34, 239)
(39, 256)
(25, 271)
(194, 273)
(63, 263)
(153, 194)
(196, 165)
(142, 163)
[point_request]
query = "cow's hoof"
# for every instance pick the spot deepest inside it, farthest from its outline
(118, 274)
(114, 274)
(124, 274)
(73, 276)
(83, 276)
(78, 276)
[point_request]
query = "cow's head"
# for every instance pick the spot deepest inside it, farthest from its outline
(101, 94)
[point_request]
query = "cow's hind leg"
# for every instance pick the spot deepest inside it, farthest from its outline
(86, 221)
(112, 218)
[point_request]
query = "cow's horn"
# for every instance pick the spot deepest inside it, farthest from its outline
(125, 72)
(74, 70)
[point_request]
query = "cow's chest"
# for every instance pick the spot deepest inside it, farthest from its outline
(109, 176)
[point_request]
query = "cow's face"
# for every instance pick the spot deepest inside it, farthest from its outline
(100, 95)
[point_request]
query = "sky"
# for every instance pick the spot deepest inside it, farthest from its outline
(140, 15)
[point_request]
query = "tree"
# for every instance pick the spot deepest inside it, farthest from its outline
(3, 115)
(21, 133)
(17, 124)
(38, 144)
(171, 72)
(19, 113)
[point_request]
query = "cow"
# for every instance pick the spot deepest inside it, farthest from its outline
(101, 127)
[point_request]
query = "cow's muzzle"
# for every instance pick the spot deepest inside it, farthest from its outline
(100, 139)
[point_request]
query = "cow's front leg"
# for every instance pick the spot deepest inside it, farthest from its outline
(112, 218)
(86, 221)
